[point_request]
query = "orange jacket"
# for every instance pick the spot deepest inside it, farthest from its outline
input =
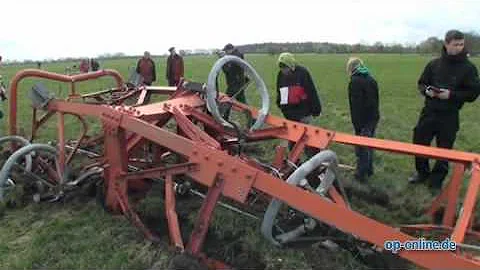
(84, 66)
(146, 68)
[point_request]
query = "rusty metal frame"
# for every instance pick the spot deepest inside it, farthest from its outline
(239, 179)
(235, 178)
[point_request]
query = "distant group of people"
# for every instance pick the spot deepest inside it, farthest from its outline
(87, 65)
(446, 83)
(174, 70)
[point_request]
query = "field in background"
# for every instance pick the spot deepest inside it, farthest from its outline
(81, 235)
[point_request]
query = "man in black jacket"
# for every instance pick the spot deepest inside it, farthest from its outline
(447, 82)
(297, 96)
(234, 75)
(363, 98)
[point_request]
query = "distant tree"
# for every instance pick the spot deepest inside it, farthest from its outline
(472, 43)
(378, 47)
(431, 45)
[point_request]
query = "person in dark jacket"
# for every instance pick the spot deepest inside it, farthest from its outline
(446, 83)
(146, 68)
(84, 66)
(175, 67)
(363, 99)
(94, 65)
(234, 75)
(297, 95)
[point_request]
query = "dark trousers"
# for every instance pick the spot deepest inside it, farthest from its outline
(232, 91)
(442, 126)
(172, 82)
(365, 154)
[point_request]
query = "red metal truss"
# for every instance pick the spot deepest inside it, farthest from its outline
(208, 162)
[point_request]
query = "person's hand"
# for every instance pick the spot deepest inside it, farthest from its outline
(443, 93)
(430, 92)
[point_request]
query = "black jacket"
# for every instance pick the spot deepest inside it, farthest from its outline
(454, 72)
(94, 65)
(234, 73)
(363, 99)
(309, 106)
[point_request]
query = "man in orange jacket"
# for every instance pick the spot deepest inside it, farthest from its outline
(146, 68)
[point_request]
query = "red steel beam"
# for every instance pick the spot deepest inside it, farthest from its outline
(213, 162)
(453, 194)
(468, 205)
(204, 216)
(192, 131)
(317, 139)
(52, 76)
(171, 214)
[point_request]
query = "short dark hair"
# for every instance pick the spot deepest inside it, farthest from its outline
(229, 46)
(453, 35)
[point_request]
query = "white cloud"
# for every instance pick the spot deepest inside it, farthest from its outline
(52, 29)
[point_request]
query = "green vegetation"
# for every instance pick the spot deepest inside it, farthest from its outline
(81, 235)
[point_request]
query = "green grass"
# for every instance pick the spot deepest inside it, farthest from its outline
(82, 235)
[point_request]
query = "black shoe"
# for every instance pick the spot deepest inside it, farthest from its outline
(417, 179)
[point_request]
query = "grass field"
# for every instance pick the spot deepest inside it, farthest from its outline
(82, 235)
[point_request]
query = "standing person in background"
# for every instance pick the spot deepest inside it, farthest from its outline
(3, 94)
(94, 64)
(446, 83)
(234, 75)
(146, 68)
(297, 95)
(175, 68)
(84, 66)
(364, 112)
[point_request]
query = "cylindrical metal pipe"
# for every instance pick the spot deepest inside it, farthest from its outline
(326, 156)
(23, 141)
(19, 154)
(212, 91)
(85, 175)
(52, 76)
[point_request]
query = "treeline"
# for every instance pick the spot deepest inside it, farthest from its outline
(430, 45)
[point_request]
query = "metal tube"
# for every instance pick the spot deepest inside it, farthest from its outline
(12, 160)
(326, 156)
(19, 139)
(212, 91)
(52, 76)
(86, 175)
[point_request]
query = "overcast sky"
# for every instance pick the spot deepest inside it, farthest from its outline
(40, 29)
